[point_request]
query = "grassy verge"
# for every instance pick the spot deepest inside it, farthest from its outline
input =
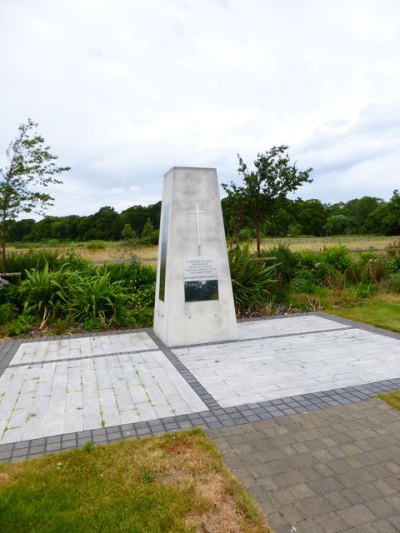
(381, 311)
(170, 483)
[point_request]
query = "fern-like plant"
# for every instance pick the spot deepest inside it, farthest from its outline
(44, 292)
(95, 297)
(251, 279)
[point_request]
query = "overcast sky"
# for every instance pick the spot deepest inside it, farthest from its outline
(124, 90)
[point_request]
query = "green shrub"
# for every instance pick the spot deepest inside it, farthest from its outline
(303, 281)
(309, 259)
(22, 324)
(9, 294)
(95, 245)
(355, 271)
(377, 269)
(245, 234)
(73, 261)
(95, 297)
(287, 263)
(338, 257)
(364, 290)
(393, 283)
(396, 262)
(21, 262)
(8, 312)
(132, 275)
(45, 293)
(251, 279)
(137, 308)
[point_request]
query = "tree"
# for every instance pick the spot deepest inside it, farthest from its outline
(359, 209)
(127, 233)
(148, 233)
(311, 215)
(386, 217)
(274, 176)
(30, 168)
(337, 225)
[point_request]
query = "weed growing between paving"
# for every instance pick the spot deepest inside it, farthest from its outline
(169, 483)
(391, 398)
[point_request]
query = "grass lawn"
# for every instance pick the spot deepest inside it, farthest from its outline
(173, 483)
(382, 311)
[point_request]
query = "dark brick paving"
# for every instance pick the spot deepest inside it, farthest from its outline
(335, 469)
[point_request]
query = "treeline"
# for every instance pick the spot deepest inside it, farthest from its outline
(138, 221)
(366, 215)
(292, 218)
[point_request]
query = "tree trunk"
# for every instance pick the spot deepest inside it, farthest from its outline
(258, 239)
(257, 220)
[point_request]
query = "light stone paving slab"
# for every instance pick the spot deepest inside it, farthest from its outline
(289, 325)
(66, 396)
(42, 351)
(266, 369)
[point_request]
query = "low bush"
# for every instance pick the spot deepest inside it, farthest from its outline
(95, 297)
(393, 283)
(33, 259)
(338, 257)
(45, 293)
(8, 312)
(303, 281)
(364, 290)
(23, 324)
(286, 262)
(132, 275)
(95, 245)
(251, 279)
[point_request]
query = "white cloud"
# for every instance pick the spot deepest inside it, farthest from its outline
(124, 91)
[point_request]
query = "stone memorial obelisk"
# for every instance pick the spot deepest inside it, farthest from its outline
(194, 300)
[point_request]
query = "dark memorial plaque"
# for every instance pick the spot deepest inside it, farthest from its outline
(202, 290)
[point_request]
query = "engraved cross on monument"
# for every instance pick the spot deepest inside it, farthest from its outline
(194, 299)
(197, 212)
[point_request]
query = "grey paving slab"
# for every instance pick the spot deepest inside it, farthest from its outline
(69, 396)
(297, 481)
(288, 325)
(71, 348)
(275, 367)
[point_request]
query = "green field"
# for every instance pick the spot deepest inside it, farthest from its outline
(106, 251)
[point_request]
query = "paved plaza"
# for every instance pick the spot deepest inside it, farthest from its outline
(311, 374)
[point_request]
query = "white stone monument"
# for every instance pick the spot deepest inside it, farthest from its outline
(194, 300)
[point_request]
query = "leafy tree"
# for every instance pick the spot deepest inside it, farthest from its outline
(311, 215)
(127, 233)
(20, 230)
(29, 169)
(274, 176)
(149, 236)
(358, 209)
(386, 217)
(337, 225)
